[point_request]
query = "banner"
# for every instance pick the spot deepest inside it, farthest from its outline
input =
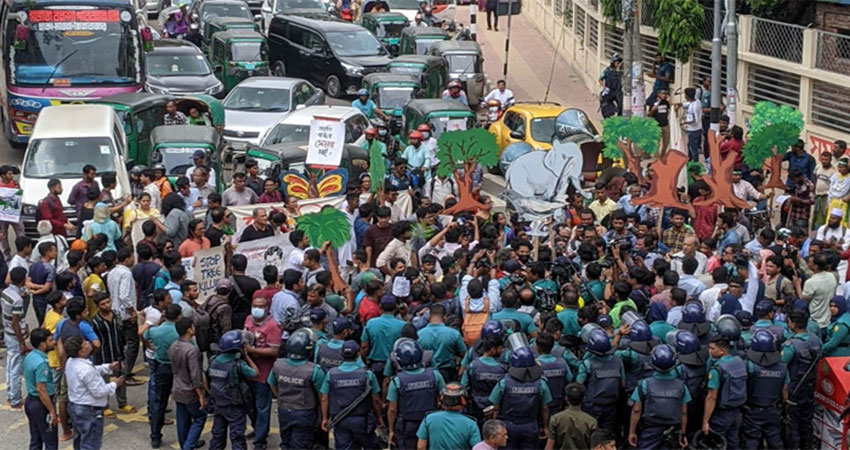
(206, 267)
(267, 251)
(327, 138)
(10, 204)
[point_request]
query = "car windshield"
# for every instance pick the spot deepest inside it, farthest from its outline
(406, 69)
(403, 4)
(422, 45)
(257, 99)
(284, 132)
(284, 5)
(390, 30)
(355, 43)
(65, 157)
(169, 65)
(226, 10)
(543, 129)
(462, 63)
(248, 51)
(394, 97)
(177, 159)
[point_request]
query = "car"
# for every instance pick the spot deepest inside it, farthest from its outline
(295, 127)
(258, 103)
(329, 53)
(177, 67)
(204, 10)
(295, 7)
(443, 10)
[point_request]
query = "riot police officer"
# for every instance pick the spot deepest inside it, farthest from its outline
(603, 375)
(636, 357)
(767, 383)
(555, 370)
(693, 320)
(493, 328)
(727, 392)
(745, 318)
(521, 400)
(660, 403)
(448, 429)
(329, 353)
(344, 395)
(729, 327)
(412, 394)
(765, 312)
(228, 374)
(393, 366)
(296, 381)
(482, 376)
(799, 353)
(692, 368)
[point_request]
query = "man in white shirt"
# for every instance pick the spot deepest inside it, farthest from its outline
(439, 188)
(199, 158)
(693, 123)
(122, 288)
(709, 297)
(397, 248)
(689, 249)
(295, 258)
(502, 94)
(833, 233)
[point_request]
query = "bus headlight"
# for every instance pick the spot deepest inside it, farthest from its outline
(28, 210)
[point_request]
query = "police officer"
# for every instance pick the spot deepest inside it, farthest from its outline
(745, 318)
(346, 386)
(493, 328)
(228, 374)
(727, 392)
(296, 381)
(729, 327)
(318, 322)
(636, 357)
(446, 343)
(837, 342)
(521, 400)
(329, 353)
(799, 353)
(660, 403)
(379, 335)
(767, 383)
(555, 370)
(765, 312)
(510, 303)
(448, 429)
(693, 320)
(482, 375)
(411, 395)
(693, 363)
(603, 375)
(393, 366)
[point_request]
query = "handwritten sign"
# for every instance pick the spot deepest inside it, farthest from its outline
(327, 138)
(208, 269)
(10, 204)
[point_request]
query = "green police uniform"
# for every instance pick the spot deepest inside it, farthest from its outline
(449, 430)
(569, 318)
(526, 323)
(445, 342)
(381, 333)
(37, 370)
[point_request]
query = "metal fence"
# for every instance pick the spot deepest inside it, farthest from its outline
(833, 52)
(708, 23)
(648, 49)
(592, 33)
(777, 40)
(765, 84)
(830, 105)
(647, 13)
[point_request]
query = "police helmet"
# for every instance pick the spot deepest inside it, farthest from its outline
(663, 358)
(493, 328)
(763, 341)
(299, 346)
(686, 343)
(522, 357)
(710, 441)
(409, 354)
(452, 396)
(763, 308)
(604, 320)
(230, 341)
(692, 313)
(598, 342)
(745, 318)
(729, 327)
(640, 332)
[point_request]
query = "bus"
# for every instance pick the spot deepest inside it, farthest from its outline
(65, 51)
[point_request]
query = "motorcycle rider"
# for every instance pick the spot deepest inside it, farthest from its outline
(429, 142)
(504, 95)
(368, 106)
(455, 92)
(296, 381)
(660, 402)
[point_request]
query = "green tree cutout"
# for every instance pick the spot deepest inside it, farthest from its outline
(773, 129)
(328, 225)
(377, 166)
(463, 150)
(625, 138)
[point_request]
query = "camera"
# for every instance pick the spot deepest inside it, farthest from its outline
(623, 243)
(483, 263)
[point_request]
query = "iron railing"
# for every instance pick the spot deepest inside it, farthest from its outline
(833, 52)
(830, 105)
(613, 42)
(766, 84)
(777, 40)
(592, 33)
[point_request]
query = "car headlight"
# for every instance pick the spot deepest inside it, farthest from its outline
(154, 90)
(28, 210)
(352, 69)
(215, 89)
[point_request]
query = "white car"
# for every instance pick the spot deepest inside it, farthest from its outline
(295, 127)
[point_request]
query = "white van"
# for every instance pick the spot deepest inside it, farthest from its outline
(64, 139)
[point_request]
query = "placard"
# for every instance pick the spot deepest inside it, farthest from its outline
(262, 252)
(327, 138)
(208, 269)
(10, 204)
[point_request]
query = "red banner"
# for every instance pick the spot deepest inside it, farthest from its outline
(67, 15)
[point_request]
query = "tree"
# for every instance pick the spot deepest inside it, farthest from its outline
(679, 25)
(720, 180)
(625, 138)
(328, 225)
(377, 166)
(463, 150)
(773, 129)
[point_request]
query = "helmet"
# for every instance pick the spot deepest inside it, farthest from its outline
(692, 313)
(728, 327)
(710, 441)
(454, 84)
(416, 135)
(686, 343)
(744, 318)
(763, 308)
(763, 341)
(494, 103)
(371, 132)
(423, 127)
(640, 332)
(137, 169)
(409, 354)
(663, 358)
(493, 328)
(452, 396)
(616, 57)
(522, 357)
(598, 342)
(362, 93)
(299, 346)
(159, 166)
(232, 340)
(604, 320)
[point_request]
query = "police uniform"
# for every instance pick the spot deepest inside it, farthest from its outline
(798, 353)
(661, 396)
(393, 367)
(448, 430)
(480, 378)
(415, 392)
(298, 384)
(660, 328)
(728, 376)
(557, 374)
(343, 385)
(779, 329)
(519, 407)
(694, 376)
(381, 333)
(525, 321)
(602, 376)
(762, 420)
(838, 337)
(636, 365)
(329, 355)
(447, 344)
(37, 370)
(228, 375)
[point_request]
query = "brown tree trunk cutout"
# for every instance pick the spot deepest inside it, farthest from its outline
(774, 165)
(632, 161)
(720, 181)
(338, 283)
(663, 191)
(465, 201)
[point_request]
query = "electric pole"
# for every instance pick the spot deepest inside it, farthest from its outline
(731, 62)
(473, 13)
(628, 56)
(715, 68)
(638, 90)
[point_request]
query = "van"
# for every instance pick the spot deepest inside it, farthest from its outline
(65, 139)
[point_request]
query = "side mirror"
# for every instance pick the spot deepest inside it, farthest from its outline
(300, 106)
(517, 135)
(258, 17)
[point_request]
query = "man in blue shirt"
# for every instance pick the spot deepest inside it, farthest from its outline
(446, 343)
(367, 106)
(38, 378)
(662, 70)
(379, 335)
(800, 160)
(448, 429)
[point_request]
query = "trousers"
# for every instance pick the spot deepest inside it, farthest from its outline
(261, 413)
(605, 415)
(296, 427)
(762, 424)
(651, 437)
(522, 436)
(14, 369)
(801, 431)
(42, 433)
(88, 426)
(161, 391)
(405, 433)
(190, 424)
(129, 331)
(355, 430)
(728, 423)
(233, 417)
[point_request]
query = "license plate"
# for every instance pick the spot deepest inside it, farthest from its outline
(250, 66)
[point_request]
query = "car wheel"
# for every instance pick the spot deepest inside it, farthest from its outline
(279, 69)
(333, 87)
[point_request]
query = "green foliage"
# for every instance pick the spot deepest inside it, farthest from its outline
(679, 24)
(377, 165)
(455, 147)
(764, 8)
(643, 132)
(612, 10)
(329, 224)
(694, 168)
(771, 126)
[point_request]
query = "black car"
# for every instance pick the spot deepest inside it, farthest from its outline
(177, 67)
(327, 52)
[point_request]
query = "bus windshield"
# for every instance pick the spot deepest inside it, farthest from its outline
(73, 45)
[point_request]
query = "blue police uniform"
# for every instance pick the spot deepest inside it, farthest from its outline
(762, 420)
(557, 374)
(636, 365)
(838, 337)
(728, 377)
(381, 333)
(228, 386)
(603, 377)
(483, 374)
(343, 385)
(329, 355)
(694, 376)
(519, 407)
(661, 396)
(415, 392)
(297, 383)
(447, 344)
(798, 353)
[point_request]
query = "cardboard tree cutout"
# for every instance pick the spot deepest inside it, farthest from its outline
(720, 180)
(773, 129)
(377, 166)
(625, 138)
(463, 150)
(328, 225)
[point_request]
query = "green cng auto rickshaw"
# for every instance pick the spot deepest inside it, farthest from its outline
(390, 91)
(209, 107)
(386, 26)
(465, 65)
(431, 70)
(173, 146)
(139, 112)
(417, 40)
(218, 24)
(441, 115)
(238, 54)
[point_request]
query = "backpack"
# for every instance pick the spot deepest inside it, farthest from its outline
(473, 322)
(147, 295)
(202, 320)
(207, 329)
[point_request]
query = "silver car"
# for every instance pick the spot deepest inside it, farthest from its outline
(258, 103)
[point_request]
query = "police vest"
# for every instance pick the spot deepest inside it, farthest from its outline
(662, 401)
(765, 384)
(295, 389)
(484, 378)
(426, 360)
(805, 351)
(556, 378)
(603, 382)
(329, 357)
(558, 351)
(345, 388)
(733, 383)
(694, 378)
(777, 331)
(520, 401)
(638, 371)
(417, 394)
(226, 384)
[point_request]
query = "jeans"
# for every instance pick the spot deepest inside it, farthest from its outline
(88, 426)
(161, 391)
(42, 433)
(14, 369)
(151, 384)
(129, 330)
(190, 424)
(495, 13)
(262, 411)
(232, 417)
(694, 144)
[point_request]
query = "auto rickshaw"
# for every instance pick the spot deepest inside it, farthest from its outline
(218, 24)
(238, 54)
(441, 115)
(208, 106)
(173, 146)
(417, 40)
(431, 70)
(386, 26)
(465, 65)
(390, 91)
(139, 112)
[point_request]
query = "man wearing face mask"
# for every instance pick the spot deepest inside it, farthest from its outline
(429, 143)
(264, 353)
(372, 137)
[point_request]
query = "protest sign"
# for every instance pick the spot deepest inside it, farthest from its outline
(10, 204)
(262, 252)
(327, 138)
(208, 269)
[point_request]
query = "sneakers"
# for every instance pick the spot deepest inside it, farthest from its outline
(108, 413)
(127, 409)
